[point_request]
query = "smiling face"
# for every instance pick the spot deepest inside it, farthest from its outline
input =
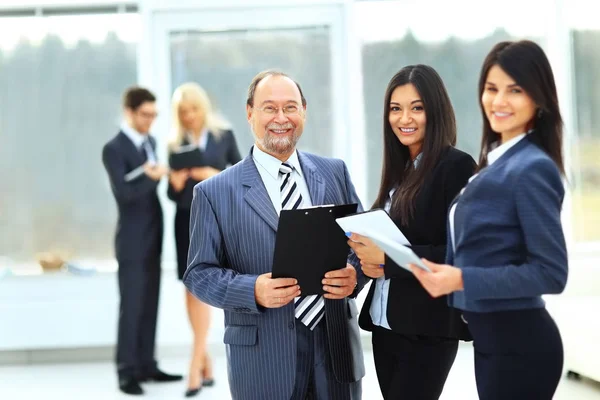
(507, 107)
(407, 118)
(277, 116)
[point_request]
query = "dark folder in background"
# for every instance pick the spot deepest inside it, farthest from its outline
(310, 243)
(187, 157)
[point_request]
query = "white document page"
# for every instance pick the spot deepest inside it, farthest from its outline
(376, 222)
(401, 254)
(134, 174)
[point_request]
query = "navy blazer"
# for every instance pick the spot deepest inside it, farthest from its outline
(219, 153)
(140, 224)
(509, 241)
(233, 229)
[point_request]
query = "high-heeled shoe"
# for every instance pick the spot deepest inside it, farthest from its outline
(206, 382)
(193, 392)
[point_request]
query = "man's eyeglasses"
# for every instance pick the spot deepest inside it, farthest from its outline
(147, 115)
(290, 109)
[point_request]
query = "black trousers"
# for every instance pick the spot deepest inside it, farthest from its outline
(412, 367)
(139, 285)
(518, 354)
(182, 239)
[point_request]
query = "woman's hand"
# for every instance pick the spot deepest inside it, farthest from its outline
(366, 250)
(442, 280)
(178, 179)
(203, 173)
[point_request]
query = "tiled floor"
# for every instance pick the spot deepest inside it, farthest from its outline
(96, 381)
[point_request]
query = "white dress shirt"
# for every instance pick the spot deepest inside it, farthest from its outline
(139, 140)
(378, 309)
(268, 168)
(133, 135)
(201, 143)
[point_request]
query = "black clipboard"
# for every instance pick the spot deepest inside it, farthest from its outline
(186, 157)
(310, 243)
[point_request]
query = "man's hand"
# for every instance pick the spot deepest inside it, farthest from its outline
(372, 270)
(203, 173)
(339, 283)
(155, 171)
(178, 179)
(275, 293)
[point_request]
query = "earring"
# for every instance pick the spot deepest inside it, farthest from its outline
(540, 112)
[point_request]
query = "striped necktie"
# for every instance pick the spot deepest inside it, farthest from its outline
(309, 309)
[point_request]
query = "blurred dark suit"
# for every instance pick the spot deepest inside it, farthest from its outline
(138, 246)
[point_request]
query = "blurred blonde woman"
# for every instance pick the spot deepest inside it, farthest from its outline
(210, 147)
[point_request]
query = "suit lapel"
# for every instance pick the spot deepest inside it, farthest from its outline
(130, 147)
(314, 180)
(210, 143)
(257, 196)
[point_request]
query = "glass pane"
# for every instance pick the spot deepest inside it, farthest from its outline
(224, 63)
(60, 94)
(455, 51)
(586, 146)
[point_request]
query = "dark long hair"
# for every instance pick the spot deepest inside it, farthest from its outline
(527, 64)
(440, 133)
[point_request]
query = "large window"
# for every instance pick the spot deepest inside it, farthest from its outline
(446, 44)
(586, 146)
(61, 82)
(225, 62)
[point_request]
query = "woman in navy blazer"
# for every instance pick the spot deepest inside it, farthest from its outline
(508, 247)
(415, 338)
(195, 124)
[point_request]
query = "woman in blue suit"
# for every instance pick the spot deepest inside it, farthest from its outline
(506, 243)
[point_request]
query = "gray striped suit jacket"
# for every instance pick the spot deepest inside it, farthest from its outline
(232, 239)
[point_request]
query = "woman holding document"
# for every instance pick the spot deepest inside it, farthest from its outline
(507, 243)
(415, 337)
(202, 146)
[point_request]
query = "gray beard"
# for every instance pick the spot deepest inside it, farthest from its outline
(278, 145)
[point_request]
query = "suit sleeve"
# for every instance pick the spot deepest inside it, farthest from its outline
(233, 153)
(454, 176)
(207, 276)
(353, 260)
(538, 195)
(125, 192)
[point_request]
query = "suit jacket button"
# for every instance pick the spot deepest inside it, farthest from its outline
(291, 325)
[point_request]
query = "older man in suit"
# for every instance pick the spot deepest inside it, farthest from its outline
(280, 344)
(131, 163)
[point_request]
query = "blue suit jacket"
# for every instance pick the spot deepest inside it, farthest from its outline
(508, 234)
(232, 239)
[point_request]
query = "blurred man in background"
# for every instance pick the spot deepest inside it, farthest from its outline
(131, 163)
